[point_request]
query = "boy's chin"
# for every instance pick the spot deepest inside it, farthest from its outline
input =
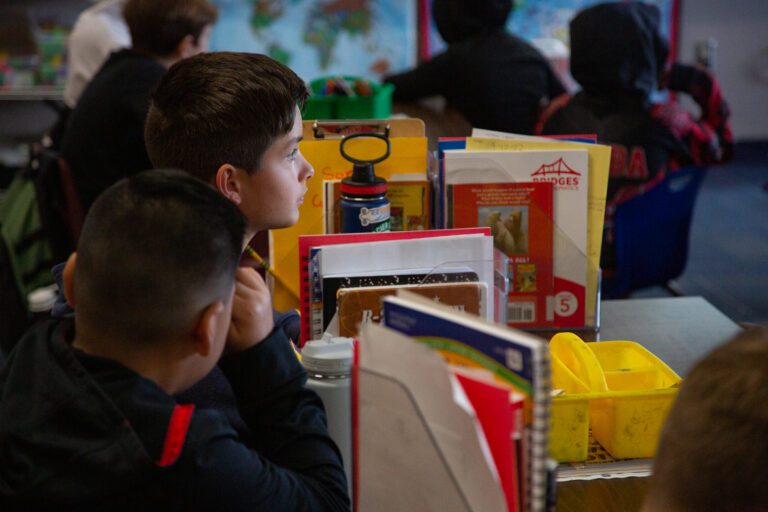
(286, 222)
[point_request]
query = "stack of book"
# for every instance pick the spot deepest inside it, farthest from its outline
(544, 201)
(470, 427)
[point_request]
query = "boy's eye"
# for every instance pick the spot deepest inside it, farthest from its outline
(292, 154)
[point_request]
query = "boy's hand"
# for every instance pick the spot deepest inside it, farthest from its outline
(252, 319)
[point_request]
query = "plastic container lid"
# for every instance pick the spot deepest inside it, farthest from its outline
(330, 356)
(42, 299)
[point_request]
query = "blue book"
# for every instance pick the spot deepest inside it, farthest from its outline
(438, 186)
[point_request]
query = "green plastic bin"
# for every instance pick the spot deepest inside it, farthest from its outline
(376, 106)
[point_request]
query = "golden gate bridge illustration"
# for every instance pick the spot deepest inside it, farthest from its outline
(560, 168)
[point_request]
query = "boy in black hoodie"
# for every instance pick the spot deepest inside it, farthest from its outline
(619, 56)
(87, 417)
(494, 79)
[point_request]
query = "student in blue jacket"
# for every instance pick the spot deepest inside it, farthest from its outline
(87, 414)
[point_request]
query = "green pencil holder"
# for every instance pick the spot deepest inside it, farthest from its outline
(378, 105)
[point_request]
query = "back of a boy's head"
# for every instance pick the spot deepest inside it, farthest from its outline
(617, 49)
(222, 107)
(458, 20)
(713, 451)
(155, 250)
(157, 26)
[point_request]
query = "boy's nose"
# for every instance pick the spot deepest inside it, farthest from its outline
(309, 171)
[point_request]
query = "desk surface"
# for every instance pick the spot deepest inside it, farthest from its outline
(680, 331)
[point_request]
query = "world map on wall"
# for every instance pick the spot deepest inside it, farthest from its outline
(540, 19)
(319, 38)
(534, 19)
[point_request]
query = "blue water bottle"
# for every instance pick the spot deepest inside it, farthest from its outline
(364, 203)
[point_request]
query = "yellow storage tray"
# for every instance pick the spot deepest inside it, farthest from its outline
(619, 389)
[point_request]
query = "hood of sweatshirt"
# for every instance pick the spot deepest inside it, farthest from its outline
(459, 20)
(617, 49)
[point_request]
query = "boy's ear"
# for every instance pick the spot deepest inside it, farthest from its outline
(68, 279)
(207, 327)
(185, 47)
(227, 181)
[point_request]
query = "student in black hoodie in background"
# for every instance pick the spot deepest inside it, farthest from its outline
(87, 415)
(619, 58)
(492, 78)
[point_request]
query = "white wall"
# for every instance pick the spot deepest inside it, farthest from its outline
(741, 30)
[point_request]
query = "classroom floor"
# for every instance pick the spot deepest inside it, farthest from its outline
(728, 253)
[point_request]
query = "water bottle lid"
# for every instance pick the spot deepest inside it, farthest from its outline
(329, 356)
(42, 299)
(379, 188)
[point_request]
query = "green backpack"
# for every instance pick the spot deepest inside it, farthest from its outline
(24, 238)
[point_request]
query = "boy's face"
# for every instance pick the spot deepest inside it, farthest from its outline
(272, 195)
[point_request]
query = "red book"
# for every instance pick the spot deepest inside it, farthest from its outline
(497, 417)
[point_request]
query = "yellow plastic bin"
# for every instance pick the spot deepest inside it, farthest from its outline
(575, 371)
(628, 423)
(622, 388)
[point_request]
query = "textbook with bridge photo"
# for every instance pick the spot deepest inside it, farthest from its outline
(535, 203)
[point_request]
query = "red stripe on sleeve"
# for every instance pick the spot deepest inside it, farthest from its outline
(176, 434)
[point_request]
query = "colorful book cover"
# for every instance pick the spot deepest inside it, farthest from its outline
(597, 184)
(520, 215)
(568, 171)
(516, 358)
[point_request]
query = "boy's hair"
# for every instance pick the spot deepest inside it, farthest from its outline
(714, 445)
(157, 26)
(218, 108)
(155, 250)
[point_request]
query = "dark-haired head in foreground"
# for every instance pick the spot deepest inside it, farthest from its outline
(154, 273)
(233, 120)
(714, 446)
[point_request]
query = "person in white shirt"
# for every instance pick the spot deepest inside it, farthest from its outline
(98, 31)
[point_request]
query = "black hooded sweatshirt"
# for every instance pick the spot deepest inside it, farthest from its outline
(618, 56)
(495, 80)
(79, 432)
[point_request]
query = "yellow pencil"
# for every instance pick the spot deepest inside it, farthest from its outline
(257, 257)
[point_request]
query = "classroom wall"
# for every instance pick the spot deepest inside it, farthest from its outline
(741, 30)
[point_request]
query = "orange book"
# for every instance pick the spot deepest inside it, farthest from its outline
(520, 217)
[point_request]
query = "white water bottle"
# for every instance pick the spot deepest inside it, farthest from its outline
(328, 362)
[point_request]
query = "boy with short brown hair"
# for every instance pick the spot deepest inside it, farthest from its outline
(87, 414)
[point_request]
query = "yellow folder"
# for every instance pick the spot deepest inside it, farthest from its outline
(408, 155)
